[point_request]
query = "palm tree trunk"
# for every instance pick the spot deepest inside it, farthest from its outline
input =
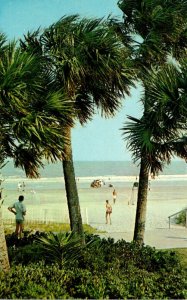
(141, 203)
(4, 261)
(71, 188)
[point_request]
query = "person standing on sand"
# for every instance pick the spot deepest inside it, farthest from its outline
(108, 212)
(19, 209)
(114, 196)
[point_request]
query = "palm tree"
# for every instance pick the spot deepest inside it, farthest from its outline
(159, 31)
(90, 64)
(160, 133)
(28, 131)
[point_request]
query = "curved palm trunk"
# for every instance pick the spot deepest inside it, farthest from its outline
(141, 203)
(71, 189)
(4, 261)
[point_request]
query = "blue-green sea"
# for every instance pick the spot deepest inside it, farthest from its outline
(95, 168)
(120, 174)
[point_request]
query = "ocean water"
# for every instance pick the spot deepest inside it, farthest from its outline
(95, 169)
(120, 174)
(170, 185)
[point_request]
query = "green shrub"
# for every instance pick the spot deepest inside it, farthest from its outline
(48, 247)
(181, 218)
(26, 254)
(107, 253)
(33, 281)
(98, 254)
(103, 269)
(28, 238)
(62, 248)
(38, 281)
(25, 250)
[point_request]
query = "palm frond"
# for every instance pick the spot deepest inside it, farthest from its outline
(28, 159)
(160, 25)
(179, 147)
(89, 57)
(29, 128)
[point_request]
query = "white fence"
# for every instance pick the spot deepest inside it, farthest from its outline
(45, 215)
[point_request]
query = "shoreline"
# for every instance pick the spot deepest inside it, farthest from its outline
(107, 178)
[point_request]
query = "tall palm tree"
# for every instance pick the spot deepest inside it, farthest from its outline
(160, 134)
(28, 131)
(90, 64)
(159, 31)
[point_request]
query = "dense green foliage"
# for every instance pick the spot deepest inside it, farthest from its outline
(38, 281)
(104, 269)
(29, 130)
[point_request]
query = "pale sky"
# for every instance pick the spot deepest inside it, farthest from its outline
(100, 139)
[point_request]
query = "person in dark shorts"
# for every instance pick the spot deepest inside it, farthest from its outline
(19, 209)
(108, 212)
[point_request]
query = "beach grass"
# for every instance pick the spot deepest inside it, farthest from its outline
(49, 227)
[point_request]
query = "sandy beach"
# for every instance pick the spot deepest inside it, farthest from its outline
(46, 201)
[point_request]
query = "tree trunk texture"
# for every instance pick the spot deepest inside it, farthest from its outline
(71, 188)
(4, 261)
(139, 230)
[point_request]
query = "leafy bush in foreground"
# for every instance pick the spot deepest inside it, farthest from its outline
(98, 254)
(38, 281)
(104, 269)
(107, 252)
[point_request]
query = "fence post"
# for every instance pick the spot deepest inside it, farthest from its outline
(186, 218)
(169, 222)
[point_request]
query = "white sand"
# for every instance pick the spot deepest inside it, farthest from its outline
(164, 199)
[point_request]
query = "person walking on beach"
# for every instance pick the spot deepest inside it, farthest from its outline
(108, 212)
(19, 186)
(19, 209)
(114, 196)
